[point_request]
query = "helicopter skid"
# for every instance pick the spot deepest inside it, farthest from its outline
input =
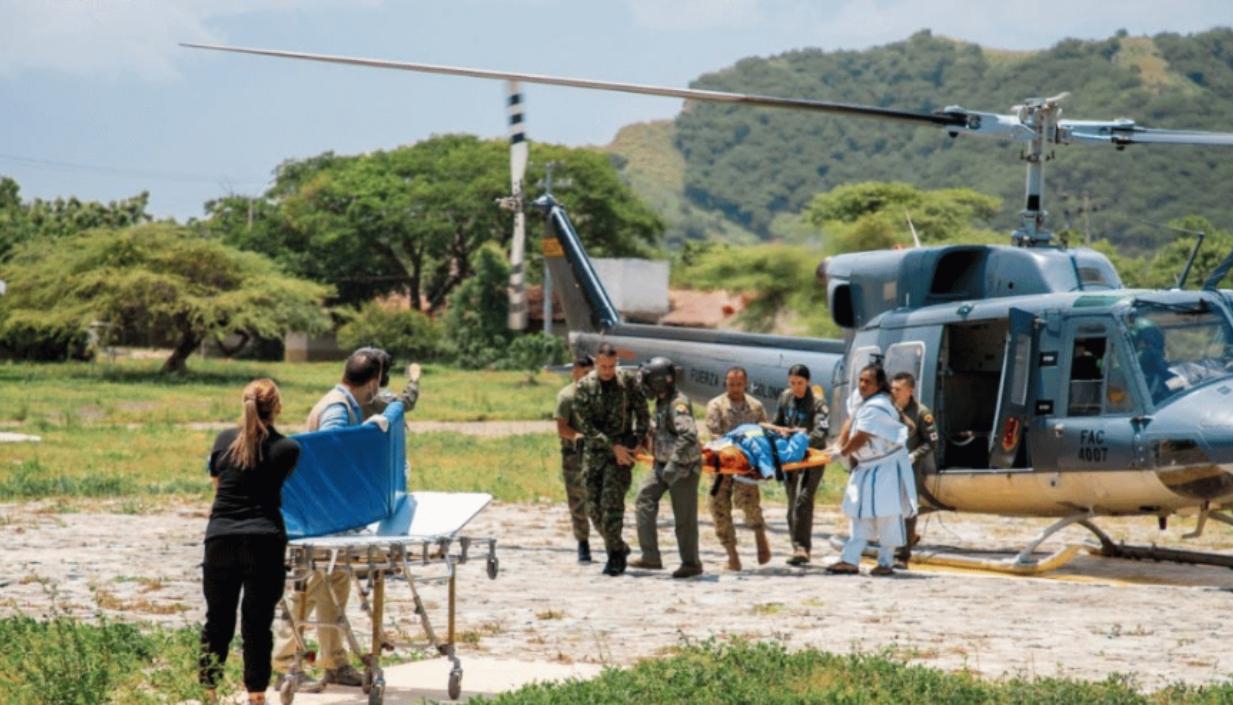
(955, 558)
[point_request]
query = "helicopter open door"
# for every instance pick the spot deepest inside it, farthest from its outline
(1013, 402)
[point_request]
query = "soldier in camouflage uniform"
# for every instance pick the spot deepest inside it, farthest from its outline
(803, 408)
(677, 469)
(612, 416)
(571, 458)
(922, 439)
(724, 413)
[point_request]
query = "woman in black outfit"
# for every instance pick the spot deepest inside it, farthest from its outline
(245, 539)
(802, 409)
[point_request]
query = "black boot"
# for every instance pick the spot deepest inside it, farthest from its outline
(610, 563)
(619, 559)
(584, 552)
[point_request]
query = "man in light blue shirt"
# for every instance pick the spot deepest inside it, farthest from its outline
(339, 408)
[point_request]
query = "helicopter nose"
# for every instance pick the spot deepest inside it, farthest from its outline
(1190, 443)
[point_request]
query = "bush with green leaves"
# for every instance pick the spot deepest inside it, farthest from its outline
(477, 320)
(532, 352)
(405, 334)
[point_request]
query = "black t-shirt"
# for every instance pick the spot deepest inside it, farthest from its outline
(249, 501)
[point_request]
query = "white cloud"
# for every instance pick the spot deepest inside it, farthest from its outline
(114, 37)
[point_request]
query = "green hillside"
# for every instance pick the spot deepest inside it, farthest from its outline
(647, 155)
(752, 165)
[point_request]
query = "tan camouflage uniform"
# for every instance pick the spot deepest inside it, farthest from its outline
(723, 415)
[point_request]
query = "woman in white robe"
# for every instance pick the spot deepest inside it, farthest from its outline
(881, 490)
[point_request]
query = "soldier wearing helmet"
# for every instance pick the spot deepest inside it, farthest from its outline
(1150, 350)
(677, 469)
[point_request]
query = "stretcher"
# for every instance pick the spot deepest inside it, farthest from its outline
(372, 562)
(744, 472)
(346, 510)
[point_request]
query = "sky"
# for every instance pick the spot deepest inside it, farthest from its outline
(98, 101)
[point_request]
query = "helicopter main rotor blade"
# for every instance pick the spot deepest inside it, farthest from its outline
(1121, 135)
(931, 119)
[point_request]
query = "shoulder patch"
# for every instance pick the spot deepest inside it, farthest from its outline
(927, 418)
(817, 391)
(683, 408)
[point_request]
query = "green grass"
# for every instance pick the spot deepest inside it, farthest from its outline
(40, 396)
(67, 662)
(743, 673)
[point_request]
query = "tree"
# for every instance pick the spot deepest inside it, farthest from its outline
(60, 217)
(154, 277)
(874, 215)
(410, 220)
(477, 315)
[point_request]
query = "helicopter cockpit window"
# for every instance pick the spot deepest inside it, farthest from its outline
(905, 357)
(1087, 376)
(1178, 346)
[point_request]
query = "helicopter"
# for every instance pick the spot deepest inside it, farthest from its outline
(1057, 392)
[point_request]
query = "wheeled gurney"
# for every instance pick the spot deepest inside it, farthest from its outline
(346, 509)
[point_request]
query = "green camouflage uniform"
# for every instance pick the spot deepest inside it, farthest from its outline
(677, 469)
(571, 466)
(810, 413)
(922, 439)
(609, 413)
(723, 416)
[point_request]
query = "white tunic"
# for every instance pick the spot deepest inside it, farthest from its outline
(882, 484)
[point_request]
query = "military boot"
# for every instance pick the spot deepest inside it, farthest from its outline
(584, 552)
(618, 562)
(734, 559)
(764, 547)
(610, 563)
(687, 571)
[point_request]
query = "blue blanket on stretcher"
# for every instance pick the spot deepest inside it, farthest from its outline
(755, 442)
(349, 478)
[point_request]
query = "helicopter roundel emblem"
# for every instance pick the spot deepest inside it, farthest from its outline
(1010, 433)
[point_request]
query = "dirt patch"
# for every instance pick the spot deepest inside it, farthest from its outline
(1095, 617)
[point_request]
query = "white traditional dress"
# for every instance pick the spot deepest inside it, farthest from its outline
(881, 490)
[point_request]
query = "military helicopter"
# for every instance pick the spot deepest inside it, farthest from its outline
(1057, 391)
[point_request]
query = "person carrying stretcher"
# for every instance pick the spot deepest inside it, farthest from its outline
(724, 413)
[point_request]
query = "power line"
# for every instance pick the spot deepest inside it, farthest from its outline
(126, 171)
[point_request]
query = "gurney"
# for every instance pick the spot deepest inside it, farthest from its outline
(356, 477)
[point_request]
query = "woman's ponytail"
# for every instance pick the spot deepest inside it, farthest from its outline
(261, 405)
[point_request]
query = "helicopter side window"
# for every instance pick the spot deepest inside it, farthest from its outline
(1087, 376)
(1118, 398)
(905, 357)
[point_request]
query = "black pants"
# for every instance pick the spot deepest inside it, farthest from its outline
(802, 485)
(252, 564)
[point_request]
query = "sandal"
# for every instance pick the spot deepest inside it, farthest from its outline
(882, 571)
(842, 568)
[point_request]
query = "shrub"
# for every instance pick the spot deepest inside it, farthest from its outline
(532, 352)
(402, 333)
(477, 318)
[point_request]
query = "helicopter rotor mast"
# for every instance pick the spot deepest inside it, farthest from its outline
(1036, 123)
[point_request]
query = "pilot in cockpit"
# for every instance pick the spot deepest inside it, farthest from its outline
(1150, 350)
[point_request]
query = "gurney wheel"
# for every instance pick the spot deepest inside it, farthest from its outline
(455, 686)
(376, 694)
(286, 694)
(493, 567)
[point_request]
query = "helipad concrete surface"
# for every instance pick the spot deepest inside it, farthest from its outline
(426, 680)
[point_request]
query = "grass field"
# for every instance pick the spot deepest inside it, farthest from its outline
(121, 430)
(60, 661)
(44, 396)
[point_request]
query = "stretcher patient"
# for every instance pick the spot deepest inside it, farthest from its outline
(748, 450)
